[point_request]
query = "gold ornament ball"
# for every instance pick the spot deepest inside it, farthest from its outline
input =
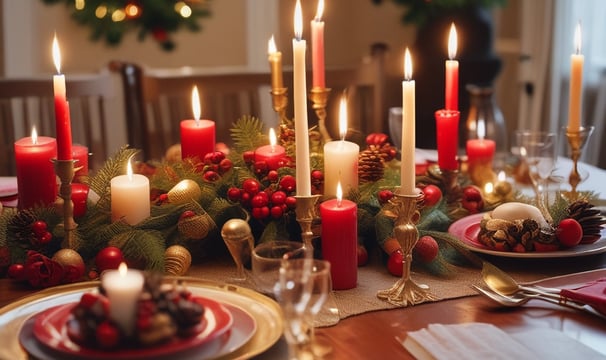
(68, 257)
(195, 227)
(185, 191)
(235, 229)
(177, 260)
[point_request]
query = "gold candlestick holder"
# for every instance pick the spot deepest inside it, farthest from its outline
(306, 212)
(279, 99)
(576, 142)
(319, 98)
(65, 171)
(405, 291)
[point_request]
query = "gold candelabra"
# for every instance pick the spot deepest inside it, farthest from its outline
(576, 142)
(65, 171)
(279, 98)
(405, 291)
(306, 212)
(319, 98)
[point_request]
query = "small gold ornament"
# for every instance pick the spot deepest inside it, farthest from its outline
(67, 257)
(185, 191)
(177, 260)
(196, 227)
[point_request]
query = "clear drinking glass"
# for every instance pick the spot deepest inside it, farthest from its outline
(267, 259)
(538, 149)
(302, 289)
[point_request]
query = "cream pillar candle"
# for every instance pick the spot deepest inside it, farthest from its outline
(576, 84)
(123, 288)
(130, 197)
(340, 159)
(300, 100)
(407, 167)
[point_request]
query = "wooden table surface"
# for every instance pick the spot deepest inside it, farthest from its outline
(374, 334)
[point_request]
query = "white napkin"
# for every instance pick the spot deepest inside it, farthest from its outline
(486, 341)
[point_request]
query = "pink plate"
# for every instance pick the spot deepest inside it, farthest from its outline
(51, 330)
(468, 228)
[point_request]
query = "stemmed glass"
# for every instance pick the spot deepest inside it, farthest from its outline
(538, 149)
(302, 289)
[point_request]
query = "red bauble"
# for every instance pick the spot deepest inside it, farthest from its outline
(109, 258)
(426, 249)
(432, 194)
(569, 232)
(17, 272)
(108, 335)
(395, 263)
(79, 197)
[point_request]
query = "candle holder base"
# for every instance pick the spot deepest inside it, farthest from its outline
(576, 142)
(279, 98)
(319, 98)
(65, 170)
(306, 212)
(405, 291)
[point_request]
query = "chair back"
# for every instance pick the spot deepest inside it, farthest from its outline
(28, 102)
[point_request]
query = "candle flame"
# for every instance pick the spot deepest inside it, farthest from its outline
(481, 129)
(195, 104)
(343, 117)
(129, 171)
(319, 11)
(34, 135)
(298, 21)
(339, 194)
(272, 139)
(122, 269)
(501, 176)
(488, 188)
(407, 65)
(56, 54)
(577, 39)
(271, 46)
(452, 42)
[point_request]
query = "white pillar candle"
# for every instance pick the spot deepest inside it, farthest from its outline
(123, 288)
(340, 159)
(407, 169)
(130, 197)
(300, 97)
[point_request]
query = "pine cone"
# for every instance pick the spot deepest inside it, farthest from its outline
(590, 219)
(371, 164)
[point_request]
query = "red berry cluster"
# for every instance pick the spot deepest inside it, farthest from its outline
(215, 164)
(41, 235)
(261, 168)
(273, 201)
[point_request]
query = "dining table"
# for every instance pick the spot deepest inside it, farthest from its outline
(378, 332)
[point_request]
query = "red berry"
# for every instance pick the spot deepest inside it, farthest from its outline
(278, 197)
(245, 198)
(276, 211)
(261, 167)
(384, 196)
(569, 232)
(17, 272)
(291, 202)
(211, 176)
(45, 239)
(79, 198)
(472, 193)
(259, 200)
(273, 176)
(317, 175)
(376, 139)
(288, 183)
(426, 249)
(39, 228)
(251, 186)
(108, 335)
(225, 165)
(233, 194)
(432, 194)
(187, 214)
(249, 156)
(260, 213)
(163, 198)
(362, 255)
(395, 263)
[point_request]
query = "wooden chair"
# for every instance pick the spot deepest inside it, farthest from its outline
(25, 102)
(157, 100)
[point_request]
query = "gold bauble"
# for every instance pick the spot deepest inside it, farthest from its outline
(69, 257)
(173, 154)
(185, 191)
(196, 227)
(177, 260)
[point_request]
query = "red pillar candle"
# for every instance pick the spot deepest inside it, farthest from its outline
(272, 153)
(447, 130)
(36, 179)
(480, 153)
(317, 43)
(452, 72)
(80, 154)
(62, 119)
(340, 240)
(197, 136)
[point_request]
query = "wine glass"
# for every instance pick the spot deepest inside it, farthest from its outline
(539, 151)
(267, 259)
(302, 289)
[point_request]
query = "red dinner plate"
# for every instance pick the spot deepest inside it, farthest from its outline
(51, 330)
(468, 228)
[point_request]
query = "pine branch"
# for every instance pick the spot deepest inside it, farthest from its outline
(114, 166)
(247, 133)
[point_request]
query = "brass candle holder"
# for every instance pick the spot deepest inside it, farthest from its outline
(279, 99)
(65, 170)
(405, 291)
(306, 212)
(576, 142)
(319, 98)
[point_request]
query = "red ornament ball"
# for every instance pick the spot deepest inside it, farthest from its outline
(108, 335)
(17, 272)
(79, 197)
(426, 249)
(395, 263)
(569, 232)
(39, 228)
(432, 194)
(109, 258)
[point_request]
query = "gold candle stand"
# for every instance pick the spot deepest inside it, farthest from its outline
(306, 212)
(319, 98)
(279, 99)
(576, 142)
(405, 291)
(65, 171)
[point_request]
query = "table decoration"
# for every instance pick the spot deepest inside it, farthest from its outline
(197, 135)
(577, 139)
